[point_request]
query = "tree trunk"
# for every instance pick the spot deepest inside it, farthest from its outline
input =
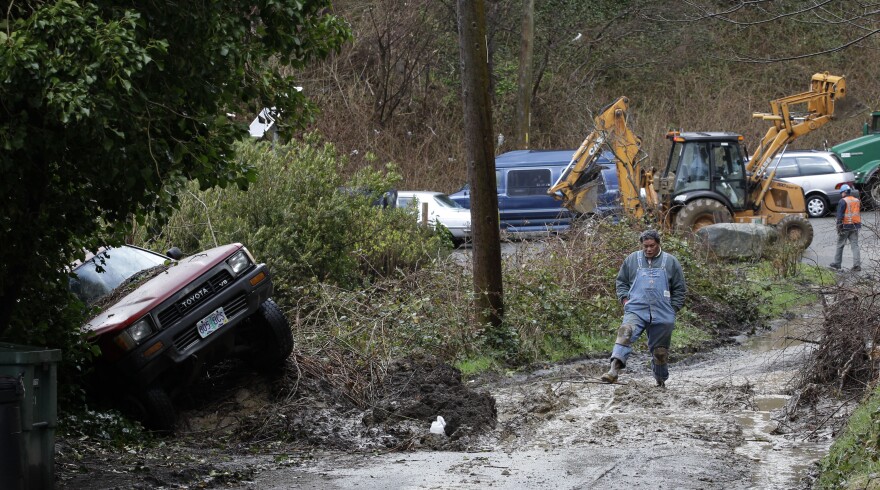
(480, 154)
(524, 89)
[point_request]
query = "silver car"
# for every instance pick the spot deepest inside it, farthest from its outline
(820, 173)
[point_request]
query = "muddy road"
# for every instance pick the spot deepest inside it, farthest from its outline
(725, 421)
(720, 424)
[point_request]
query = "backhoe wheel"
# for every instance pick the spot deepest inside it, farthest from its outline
(699, 213)
(796, 229)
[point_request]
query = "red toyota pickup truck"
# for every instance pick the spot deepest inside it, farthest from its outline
(164, 319)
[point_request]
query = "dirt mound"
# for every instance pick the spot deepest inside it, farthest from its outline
(310, 404)
(422, 390)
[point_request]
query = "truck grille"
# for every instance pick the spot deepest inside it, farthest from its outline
(171, 315)
(190, 336)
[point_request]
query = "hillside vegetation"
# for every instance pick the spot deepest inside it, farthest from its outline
(394, 90)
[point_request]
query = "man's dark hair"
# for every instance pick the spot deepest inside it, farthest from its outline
(649, 235)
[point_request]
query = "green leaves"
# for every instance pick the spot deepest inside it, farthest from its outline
(302, 218)
(110, 107)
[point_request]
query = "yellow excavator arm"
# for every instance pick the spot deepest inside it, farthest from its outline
(577, 185)
(788, 126)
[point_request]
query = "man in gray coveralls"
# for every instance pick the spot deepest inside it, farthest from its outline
(651, 287)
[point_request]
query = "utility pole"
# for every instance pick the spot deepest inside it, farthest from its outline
(524, 88)
(480, 154)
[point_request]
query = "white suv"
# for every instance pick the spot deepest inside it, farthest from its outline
(820, 173)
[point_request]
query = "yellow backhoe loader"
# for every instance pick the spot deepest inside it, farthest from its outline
(708, 177)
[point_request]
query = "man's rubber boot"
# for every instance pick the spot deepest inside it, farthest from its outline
(611, 375)
(660, 383)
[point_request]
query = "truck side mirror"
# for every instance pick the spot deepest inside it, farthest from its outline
(175, 253)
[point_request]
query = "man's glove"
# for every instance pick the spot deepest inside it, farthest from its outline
(839, 228)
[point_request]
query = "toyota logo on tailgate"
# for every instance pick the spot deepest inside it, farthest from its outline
(195, 298)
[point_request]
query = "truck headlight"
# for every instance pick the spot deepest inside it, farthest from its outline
(134, 334)
(239, 262)
(140, 330)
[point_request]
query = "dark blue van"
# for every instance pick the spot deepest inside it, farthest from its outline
(523, 177)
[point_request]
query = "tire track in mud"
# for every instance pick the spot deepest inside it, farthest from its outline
(718, 416)
(720, 424)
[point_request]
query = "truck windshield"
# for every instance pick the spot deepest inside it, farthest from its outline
(108, 269)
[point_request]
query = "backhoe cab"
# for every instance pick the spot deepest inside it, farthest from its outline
(707, 180)
(704, 180)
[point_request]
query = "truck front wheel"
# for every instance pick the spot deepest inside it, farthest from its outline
(699, 213)
(271, 337)
(153, 408)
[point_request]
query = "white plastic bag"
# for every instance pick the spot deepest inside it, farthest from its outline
(437, 426)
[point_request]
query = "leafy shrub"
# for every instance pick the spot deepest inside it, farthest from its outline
(303, 219)
(562, 297)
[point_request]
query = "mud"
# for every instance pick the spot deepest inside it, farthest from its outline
(725, 421)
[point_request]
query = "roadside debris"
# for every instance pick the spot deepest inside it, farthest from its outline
(438, 426)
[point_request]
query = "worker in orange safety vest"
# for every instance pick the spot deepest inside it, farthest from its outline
(849, 221)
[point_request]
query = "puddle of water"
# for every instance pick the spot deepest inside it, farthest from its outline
(769, 403)
(781, 335)
(782, 459)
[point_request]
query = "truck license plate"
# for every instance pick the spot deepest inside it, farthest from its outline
(208, 325)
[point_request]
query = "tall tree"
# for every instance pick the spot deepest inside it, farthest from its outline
(480, 155)
(524, 88)
(109, 106)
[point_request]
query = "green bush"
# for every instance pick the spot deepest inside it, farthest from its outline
(303, 219)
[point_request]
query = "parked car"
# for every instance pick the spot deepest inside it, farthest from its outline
(164, 318)
(523, 177)
(387, 199)
(820, 173)
(442, 209)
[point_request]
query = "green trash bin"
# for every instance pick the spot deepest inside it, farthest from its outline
(37, 367)
(11, 462)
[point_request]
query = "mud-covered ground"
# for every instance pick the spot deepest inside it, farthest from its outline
(725, 421)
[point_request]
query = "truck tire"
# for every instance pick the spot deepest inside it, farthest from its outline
(699, 213)
(273, 339)
(872, 193)
(796, 229)
(154, 409)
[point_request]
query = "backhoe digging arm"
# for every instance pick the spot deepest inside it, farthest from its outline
(577, 185)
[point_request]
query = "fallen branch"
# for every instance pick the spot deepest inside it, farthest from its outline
(800, 339)
(822, 423)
